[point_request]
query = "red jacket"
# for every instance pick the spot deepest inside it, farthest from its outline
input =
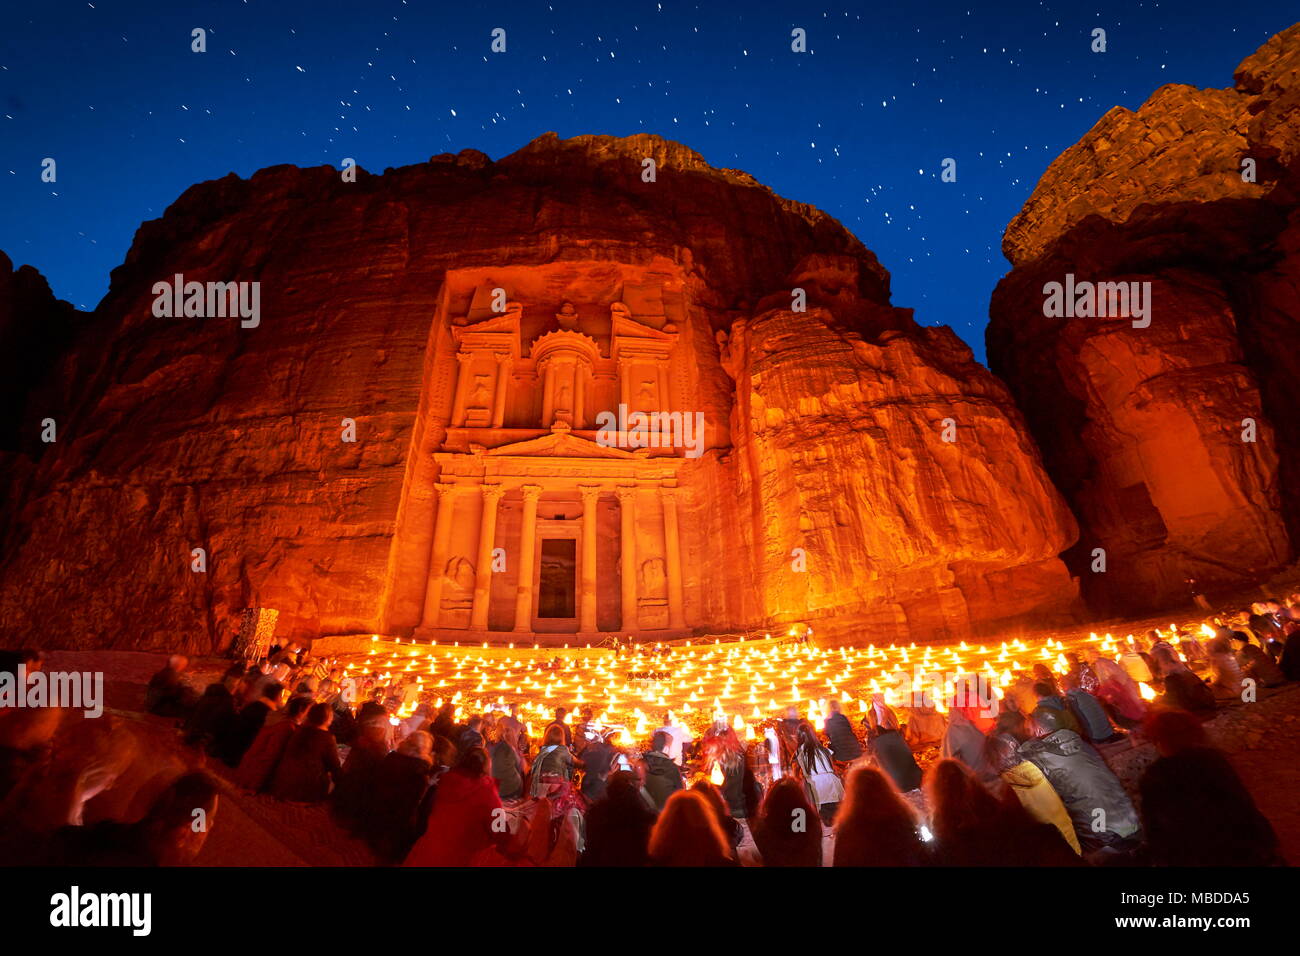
(461, 824)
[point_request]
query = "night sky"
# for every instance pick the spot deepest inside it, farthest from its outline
(858, 125)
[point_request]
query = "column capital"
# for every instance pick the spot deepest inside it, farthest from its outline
(446, 487)
(502, 357)
(493, 492)
(625, 492)
(589, 493)
(669, 492)
(463, 357)
(531, 492)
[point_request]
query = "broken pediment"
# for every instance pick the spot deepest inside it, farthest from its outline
(561, 444)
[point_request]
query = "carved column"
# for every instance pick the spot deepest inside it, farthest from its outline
(579, 396)
(548, 395)
(527, 555)
(587, 600)
(438, 556)
(499, 394)
(673, 558)
(462, 388)
(625, 384)
(483, 572)
(627, 548)
(665, 399)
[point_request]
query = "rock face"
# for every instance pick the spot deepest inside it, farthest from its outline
(860, 473)
(1167, 439)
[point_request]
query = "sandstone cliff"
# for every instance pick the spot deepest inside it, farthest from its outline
(826, 427)
(1167, 440)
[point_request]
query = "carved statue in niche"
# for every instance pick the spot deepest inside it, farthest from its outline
(460, 575)
(654, 581)
(482, 391)
(567, 317)
(562, 403)
(647, 396)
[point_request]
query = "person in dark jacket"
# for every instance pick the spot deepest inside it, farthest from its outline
(215, 709)
(597, 759)
(1048, 699)
(259, 763)
(1195, 809)
(368, 750)
(788, 831)
(567, 733)
(1092, 794)
(507, 764)
(471, 737)
(895, 758)
(310, 763)
(663, 777)
(971, 827)
(391, 816)
(239, 734)
(1255, 663)
(1290, 663)
(167, 695)
(618, 825)
(845, 746)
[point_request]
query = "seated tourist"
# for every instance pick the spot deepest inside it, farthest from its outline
(566, 735)
(875, 825)
(238, 735)
(687, 833)
(1290, 662)
(971, 828)
(731, 827)
(507, 764)
(391, 819)
(1030, 787)
(1118, 692)
(167, 694)
(678, 738)
(663, 777)
(268, 747)
(895, 758)
(1256, 664)
(1085, 785)
(618, 825)
(352, 794)
(822, 782)
(1135, 662)
(310, 763)
(721, 747)
(963, 741)
(165, 836)
(844, 744)
(1047, 699)
(471, 736)
(1195, 809)
(466, 819)
(1182, 688)
(788, 830)
(1225, 673)
(553, 768)
(598, 759)
(214, 709)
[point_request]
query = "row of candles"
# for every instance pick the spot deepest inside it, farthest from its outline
(737, 681)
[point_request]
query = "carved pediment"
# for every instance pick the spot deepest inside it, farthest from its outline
(561, 444)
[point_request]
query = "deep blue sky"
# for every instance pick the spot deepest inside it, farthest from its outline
(857, 126)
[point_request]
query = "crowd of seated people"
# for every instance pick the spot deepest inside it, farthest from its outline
(1019, 778)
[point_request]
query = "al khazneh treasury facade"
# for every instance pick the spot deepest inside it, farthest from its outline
(546, 527)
